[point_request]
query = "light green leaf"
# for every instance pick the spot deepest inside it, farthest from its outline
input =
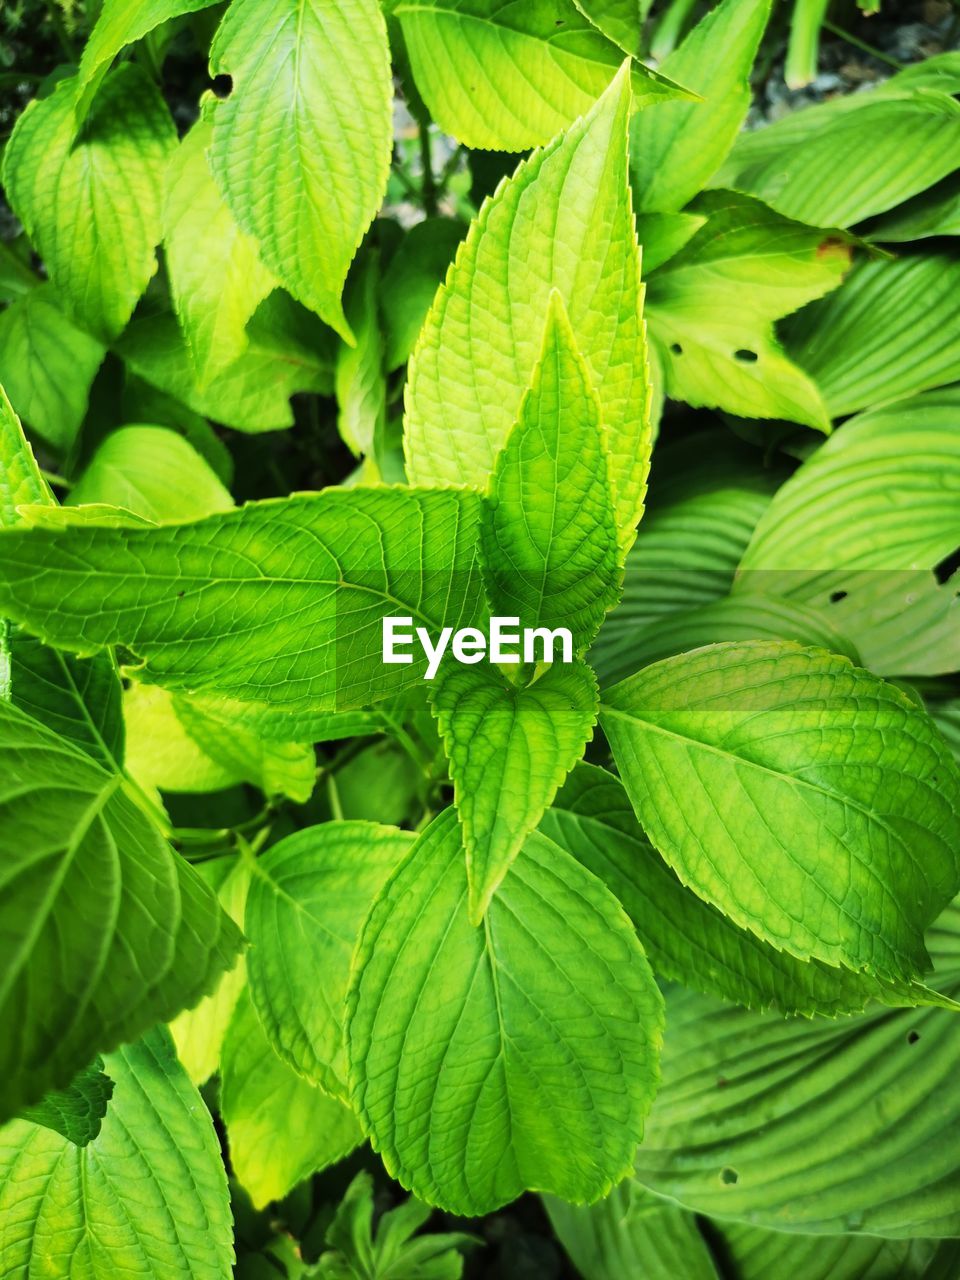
(688, 940)
(509, 749)
(77, 1111)
(861, 1137)
(675, 149)
(280, 1129)
(632, 1233)
(20, 480)
(278, 724)
(381, 783)
(835, 164)
(198, 1033)
(91, 204)
(310, 895)
(864, 561)
(360, 382)
(621, 20)
(252, 394)
(661, 235)
(521, 1054)
(122, 22)
(809, 801)
(411, 281)
(934, 212)
(711, 309)
(548, 531)
(509, 76)
(758, 1253)
(152, 472)
(887, 333)
(216, 277)
(301, 148)
(482, 337)
(279, 601)
(47, 366)
(148, 1196)
(105, 930)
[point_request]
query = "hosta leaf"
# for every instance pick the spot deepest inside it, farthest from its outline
(411, 281)
(216, 277)
(632, 1233)
(688, 940)
(280, 1128)
(310, 895)
(509, 749)
(152, 472)
(548, 531)
(77, 1111)
(864, 561)
(520, 1054)
(147, 1196)
(105, 930)
(675, 149)
(838, 163)
(887, 333)
(301, 148)
(47, 366)
(91, 205)
(758, 1254)
(512, 76)
(280, 601)
(121, 22)
(861, 1138)
(252, 394)
(198, 1033)
(483, 335)
(711, 309)
(935, 212)
(813, 804)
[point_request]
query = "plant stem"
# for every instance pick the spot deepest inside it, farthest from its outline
(861, 45)
(428, 188)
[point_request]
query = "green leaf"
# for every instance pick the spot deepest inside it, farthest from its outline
(865, 562)
(758, 1254)
(216, 277)
(301, 148)
(621, 20)
(632, 1233)
(411, 281)
(91, 205)
(77, 1111)
(279, 601)
(393, 1253)
(934, 212)
(520, 1054)
(887, 333)
(152, 472)
(105, 930)
(20, 480)
(147, 1196)
(198, 1033)
(822, 1127)
(509, 749)
(510, 77)
(310, 895)
(360, 382)
(483, 335)
(687, 939)
(47, 365)
(280, 1129)
(548, 531)
(252, 394)
(122, 22)
(711, 309)
(661, 235)
(677, 148)
(810, 802)
(835, 164)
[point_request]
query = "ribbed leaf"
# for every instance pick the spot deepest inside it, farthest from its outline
(91, 205)
(813, 804)
(510, 76)
(310, 895)
(483, 335)
(935, 212)
(311, 577)
(147, 1197)
(280, 1129)
(519, 1054)
(621, 20)
(77, 1111)
(509, 749)
(301, 148)
(758, 1254)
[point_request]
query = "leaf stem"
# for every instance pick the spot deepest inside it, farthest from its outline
(861, 44)
(428, 189)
